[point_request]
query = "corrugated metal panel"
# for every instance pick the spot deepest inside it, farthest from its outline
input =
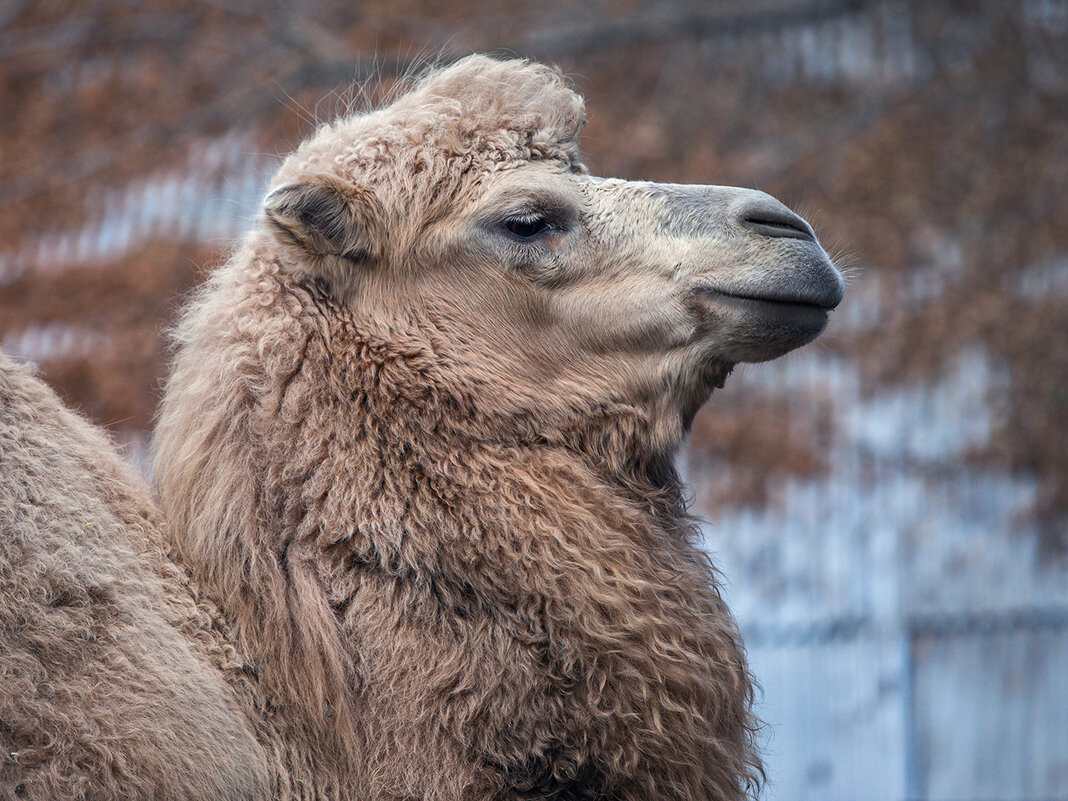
(991, 713)
(835, 714)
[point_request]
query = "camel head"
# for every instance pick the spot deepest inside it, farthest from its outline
(462, 217)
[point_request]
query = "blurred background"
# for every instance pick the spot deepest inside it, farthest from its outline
(889, 507)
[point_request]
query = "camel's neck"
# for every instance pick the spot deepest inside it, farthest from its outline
(305, 478)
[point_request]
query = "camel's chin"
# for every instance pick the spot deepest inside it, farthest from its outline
(758, 330)
(710, 376)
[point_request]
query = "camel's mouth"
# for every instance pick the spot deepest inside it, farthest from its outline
(789, 321)
(790, 303)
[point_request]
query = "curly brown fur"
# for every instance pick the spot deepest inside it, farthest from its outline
(111, 673)
(487, 613)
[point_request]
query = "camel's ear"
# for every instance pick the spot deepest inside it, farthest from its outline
(327, 220)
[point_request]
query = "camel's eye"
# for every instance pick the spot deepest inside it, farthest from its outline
(526, 227)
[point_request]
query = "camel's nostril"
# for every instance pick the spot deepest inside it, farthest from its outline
(776, 220)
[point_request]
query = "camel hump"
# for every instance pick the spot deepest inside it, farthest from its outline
(102, 696)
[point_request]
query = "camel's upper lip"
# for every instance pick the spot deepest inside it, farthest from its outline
(802, 277)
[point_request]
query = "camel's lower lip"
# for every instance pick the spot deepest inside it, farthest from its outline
(762, 328)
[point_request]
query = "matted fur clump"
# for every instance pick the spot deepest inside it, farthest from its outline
(415, 463)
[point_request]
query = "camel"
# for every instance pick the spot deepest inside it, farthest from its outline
(419, 530)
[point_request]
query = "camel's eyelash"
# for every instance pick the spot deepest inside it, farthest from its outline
(544, 217)
(528, 226)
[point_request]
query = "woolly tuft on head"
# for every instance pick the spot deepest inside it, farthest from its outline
(478, 108)
(480, 98)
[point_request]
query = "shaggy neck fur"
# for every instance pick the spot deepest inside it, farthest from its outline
(442, 604)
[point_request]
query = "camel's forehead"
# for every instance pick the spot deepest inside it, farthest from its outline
(478, 109)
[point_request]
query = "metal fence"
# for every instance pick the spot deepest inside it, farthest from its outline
(909, 633)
